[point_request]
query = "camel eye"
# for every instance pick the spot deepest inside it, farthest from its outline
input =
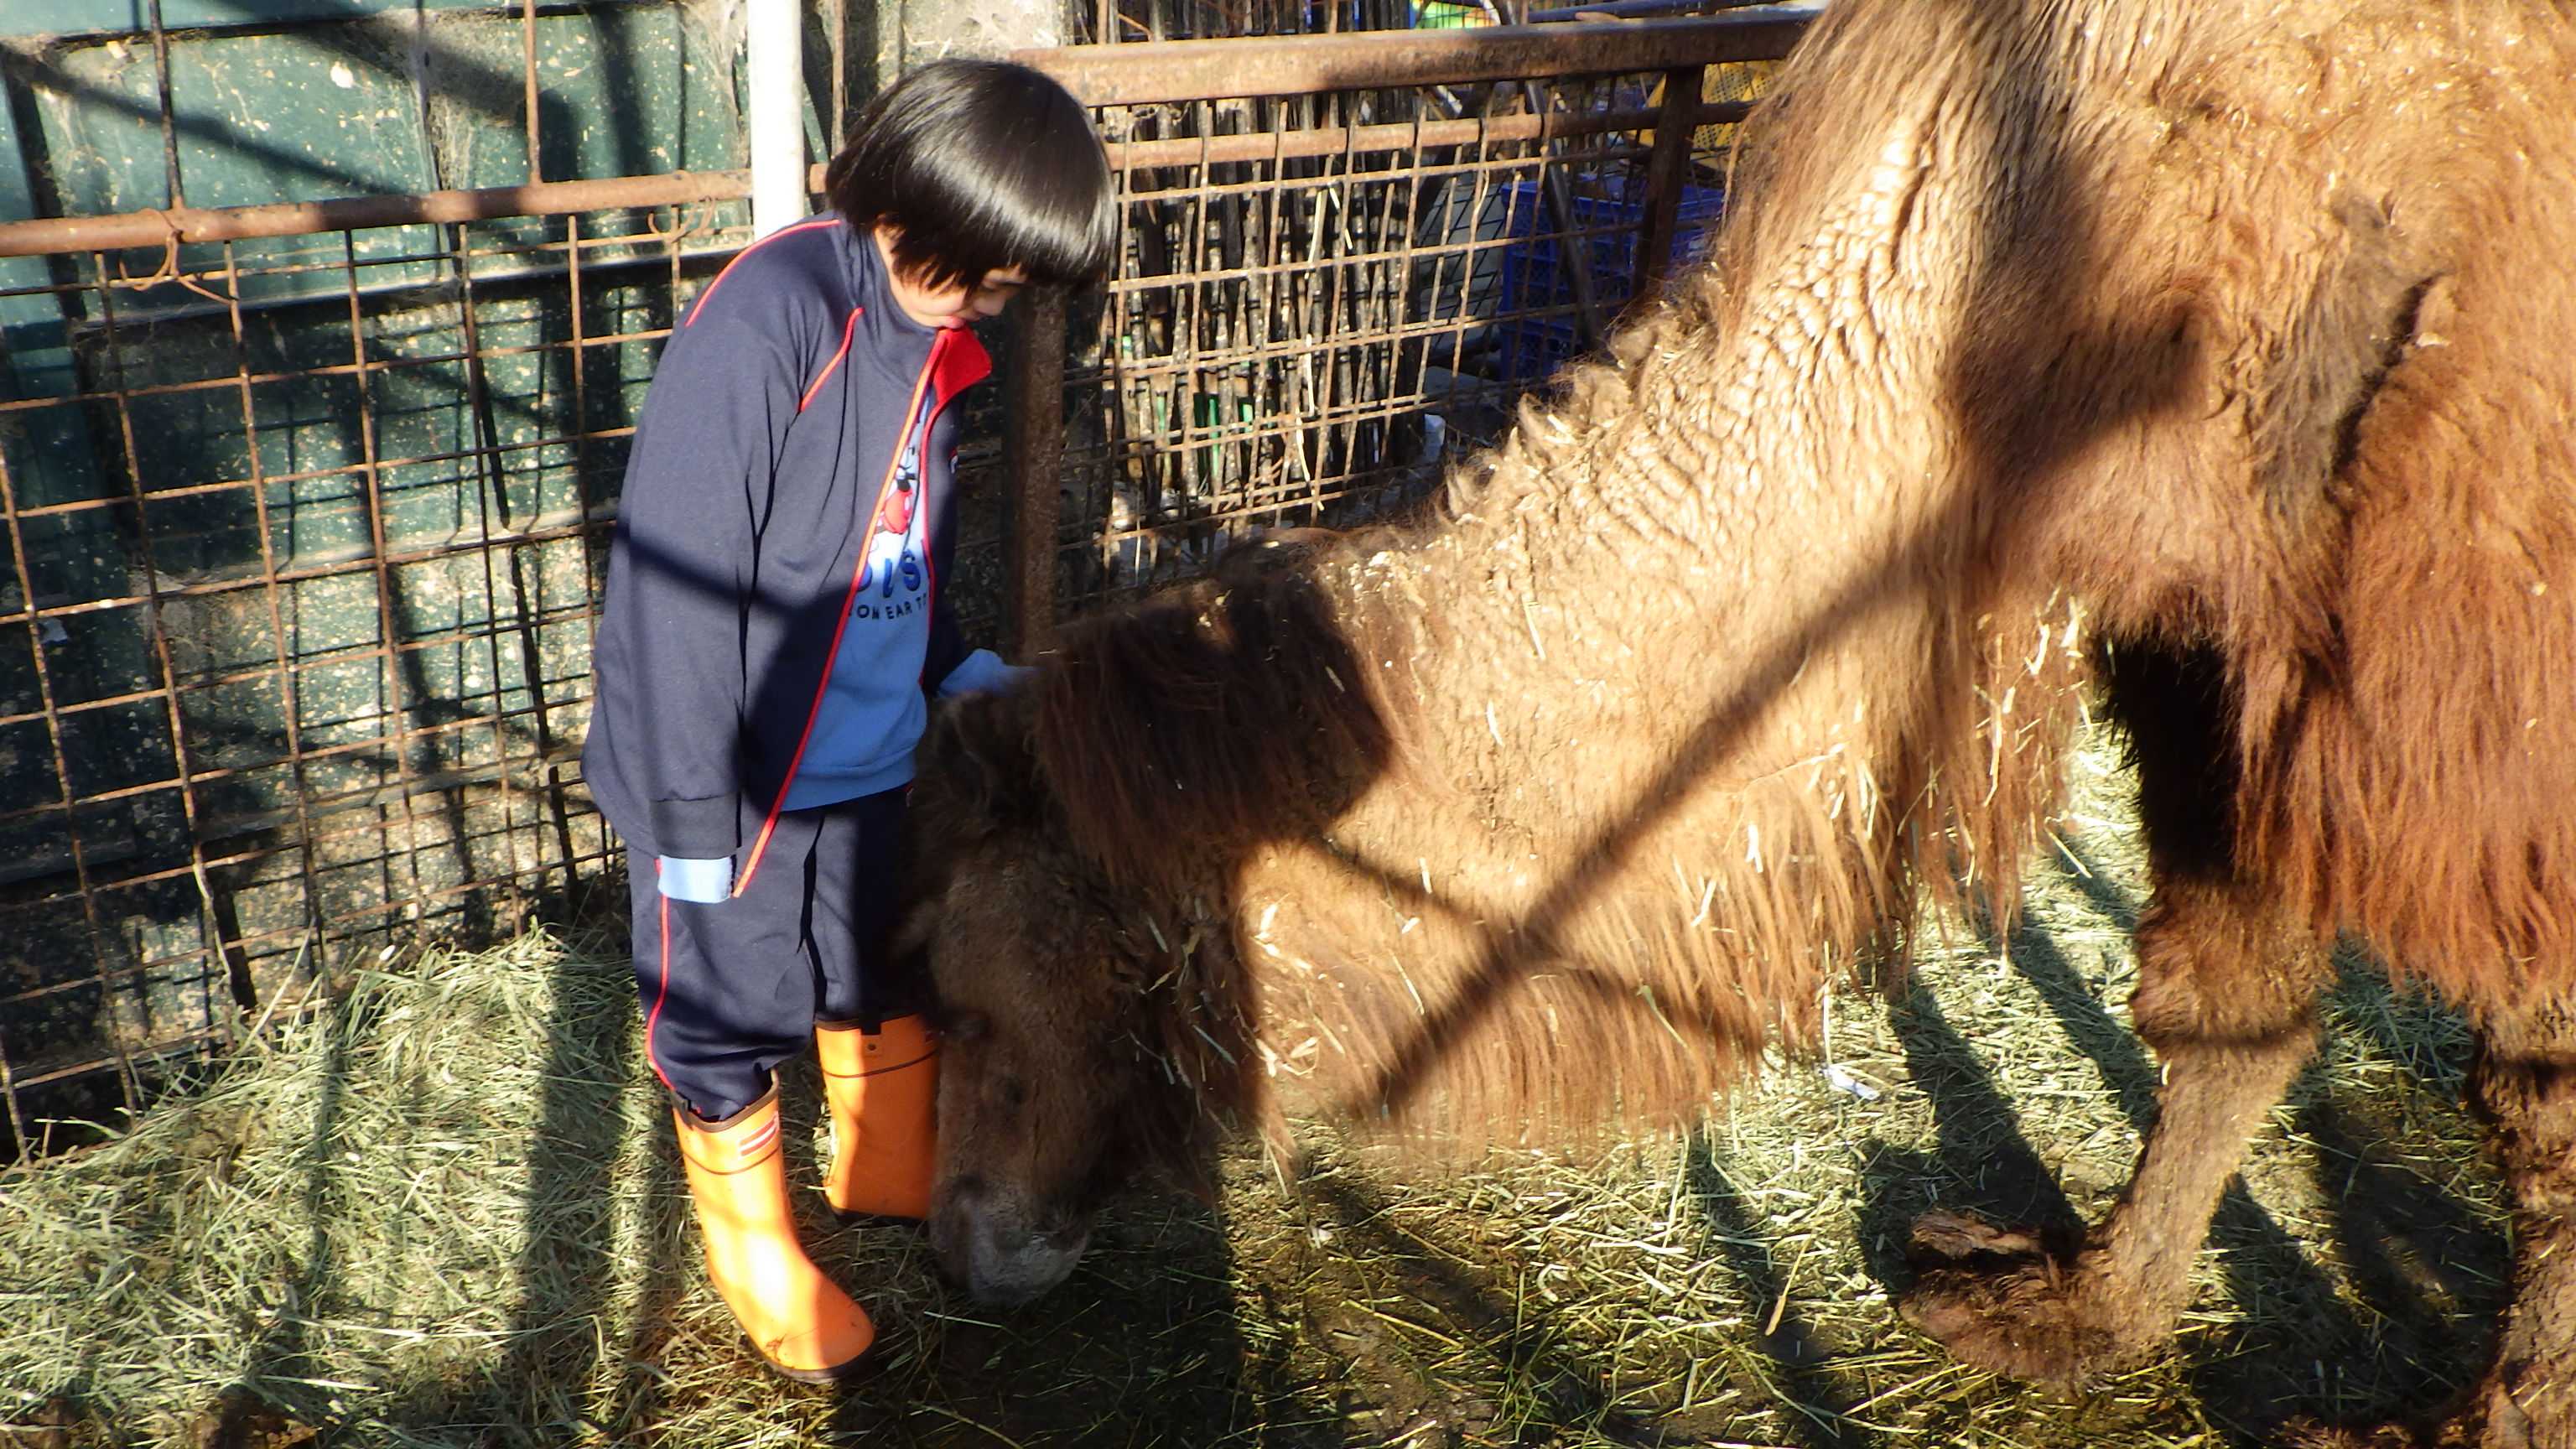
(1015, 1093)
(967, 1026)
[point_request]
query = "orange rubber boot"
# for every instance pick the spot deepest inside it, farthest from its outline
(800, 1321)
(883, 1089)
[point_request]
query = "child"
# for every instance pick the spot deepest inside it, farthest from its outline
(772, 626)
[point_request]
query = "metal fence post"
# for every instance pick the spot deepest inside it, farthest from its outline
(1033, 450)
(1667, 172)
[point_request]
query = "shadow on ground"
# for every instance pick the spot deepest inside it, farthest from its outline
(2381, 1306)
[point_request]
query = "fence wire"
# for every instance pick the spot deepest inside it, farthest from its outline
(1313, 333)
(294, 650)
(306, 532)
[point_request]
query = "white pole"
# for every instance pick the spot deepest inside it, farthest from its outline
(775, 37)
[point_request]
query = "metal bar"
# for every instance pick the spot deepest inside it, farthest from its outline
(231, 824)
(36, 647)
(528, 64)
(491, 497)
(1634, 9)
(70, 800)
(507, 244)
(1292, 268)
(1273, 290)
(1481, 182)
(302, 664)
(1177, 70)
(1573, 252)
(75, 234)
(241, 942)
(839, 129)
(1284, 186)
(342, 561)
(1123, 408)
(421, 293)
(57, 235)
(1034, 445)
(194, 1040)
(261, 379)
(774, 119)
(230, 17)
(354, 563)
(578, 352)
(1667, 171)
(1282, 425)
(236, 968)
(400, 706)
(169, 109)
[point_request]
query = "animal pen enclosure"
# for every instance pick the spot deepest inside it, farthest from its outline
(308, 450)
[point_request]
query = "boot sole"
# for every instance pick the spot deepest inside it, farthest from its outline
(861, 1217)
(838, 1374)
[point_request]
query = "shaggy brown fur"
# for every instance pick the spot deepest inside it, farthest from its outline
(2215, 357)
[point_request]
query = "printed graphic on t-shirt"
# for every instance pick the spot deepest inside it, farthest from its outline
(896, 548)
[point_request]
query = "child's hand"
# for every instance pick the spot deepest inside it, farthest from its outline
(702, 882)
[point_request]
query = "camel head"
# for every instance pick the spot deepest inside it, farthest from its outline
(1055, 1085)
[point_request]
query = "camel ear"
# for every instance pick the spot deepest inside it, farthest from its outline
(977, 768)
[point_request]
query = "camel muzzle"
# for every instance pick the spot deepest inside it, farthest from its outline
(1005, 1253)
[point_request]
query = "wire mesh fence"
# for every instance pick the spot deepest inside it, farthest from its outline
(1109, 22)
(1325, 299)
(306, 510)
(294, 653)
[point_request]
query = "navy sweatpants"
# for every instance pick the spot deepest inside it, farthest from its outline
(731, 990)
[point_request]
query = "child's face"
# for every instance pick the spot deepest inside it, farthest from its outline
(958, 305)
(963, 306)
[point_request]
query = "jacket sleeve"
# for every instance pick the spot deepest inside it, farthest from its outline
(698, 485)
(947, 643)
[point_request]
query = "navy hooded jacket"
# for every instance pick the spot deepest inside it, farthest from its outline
(773, 618)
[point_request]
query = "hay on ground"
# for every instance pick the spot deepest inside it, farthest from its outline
(442, 1208)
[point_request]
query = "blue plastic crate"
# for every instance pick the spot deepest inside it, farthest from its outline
(1531, 278)
(1449, 15)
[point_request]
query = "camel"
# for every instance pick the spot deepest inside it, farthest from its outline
(2207, 364)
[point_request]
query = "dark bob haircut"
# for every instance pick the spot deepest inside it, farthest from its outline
(980, 165)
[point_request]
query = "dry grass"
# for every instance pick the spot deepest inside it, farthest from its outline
(443, 1210)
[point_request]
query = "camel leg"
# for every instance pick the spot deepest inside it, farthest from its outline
(2524, 1084)
(2225, 1000)
(2226, 987)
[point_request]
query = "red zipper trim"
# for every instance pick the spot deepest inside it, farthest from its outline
(858, 571)
(662, 993)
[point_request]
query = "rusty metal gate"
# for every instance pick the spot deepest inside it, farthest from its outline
(305, 504)
(1348, 256)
